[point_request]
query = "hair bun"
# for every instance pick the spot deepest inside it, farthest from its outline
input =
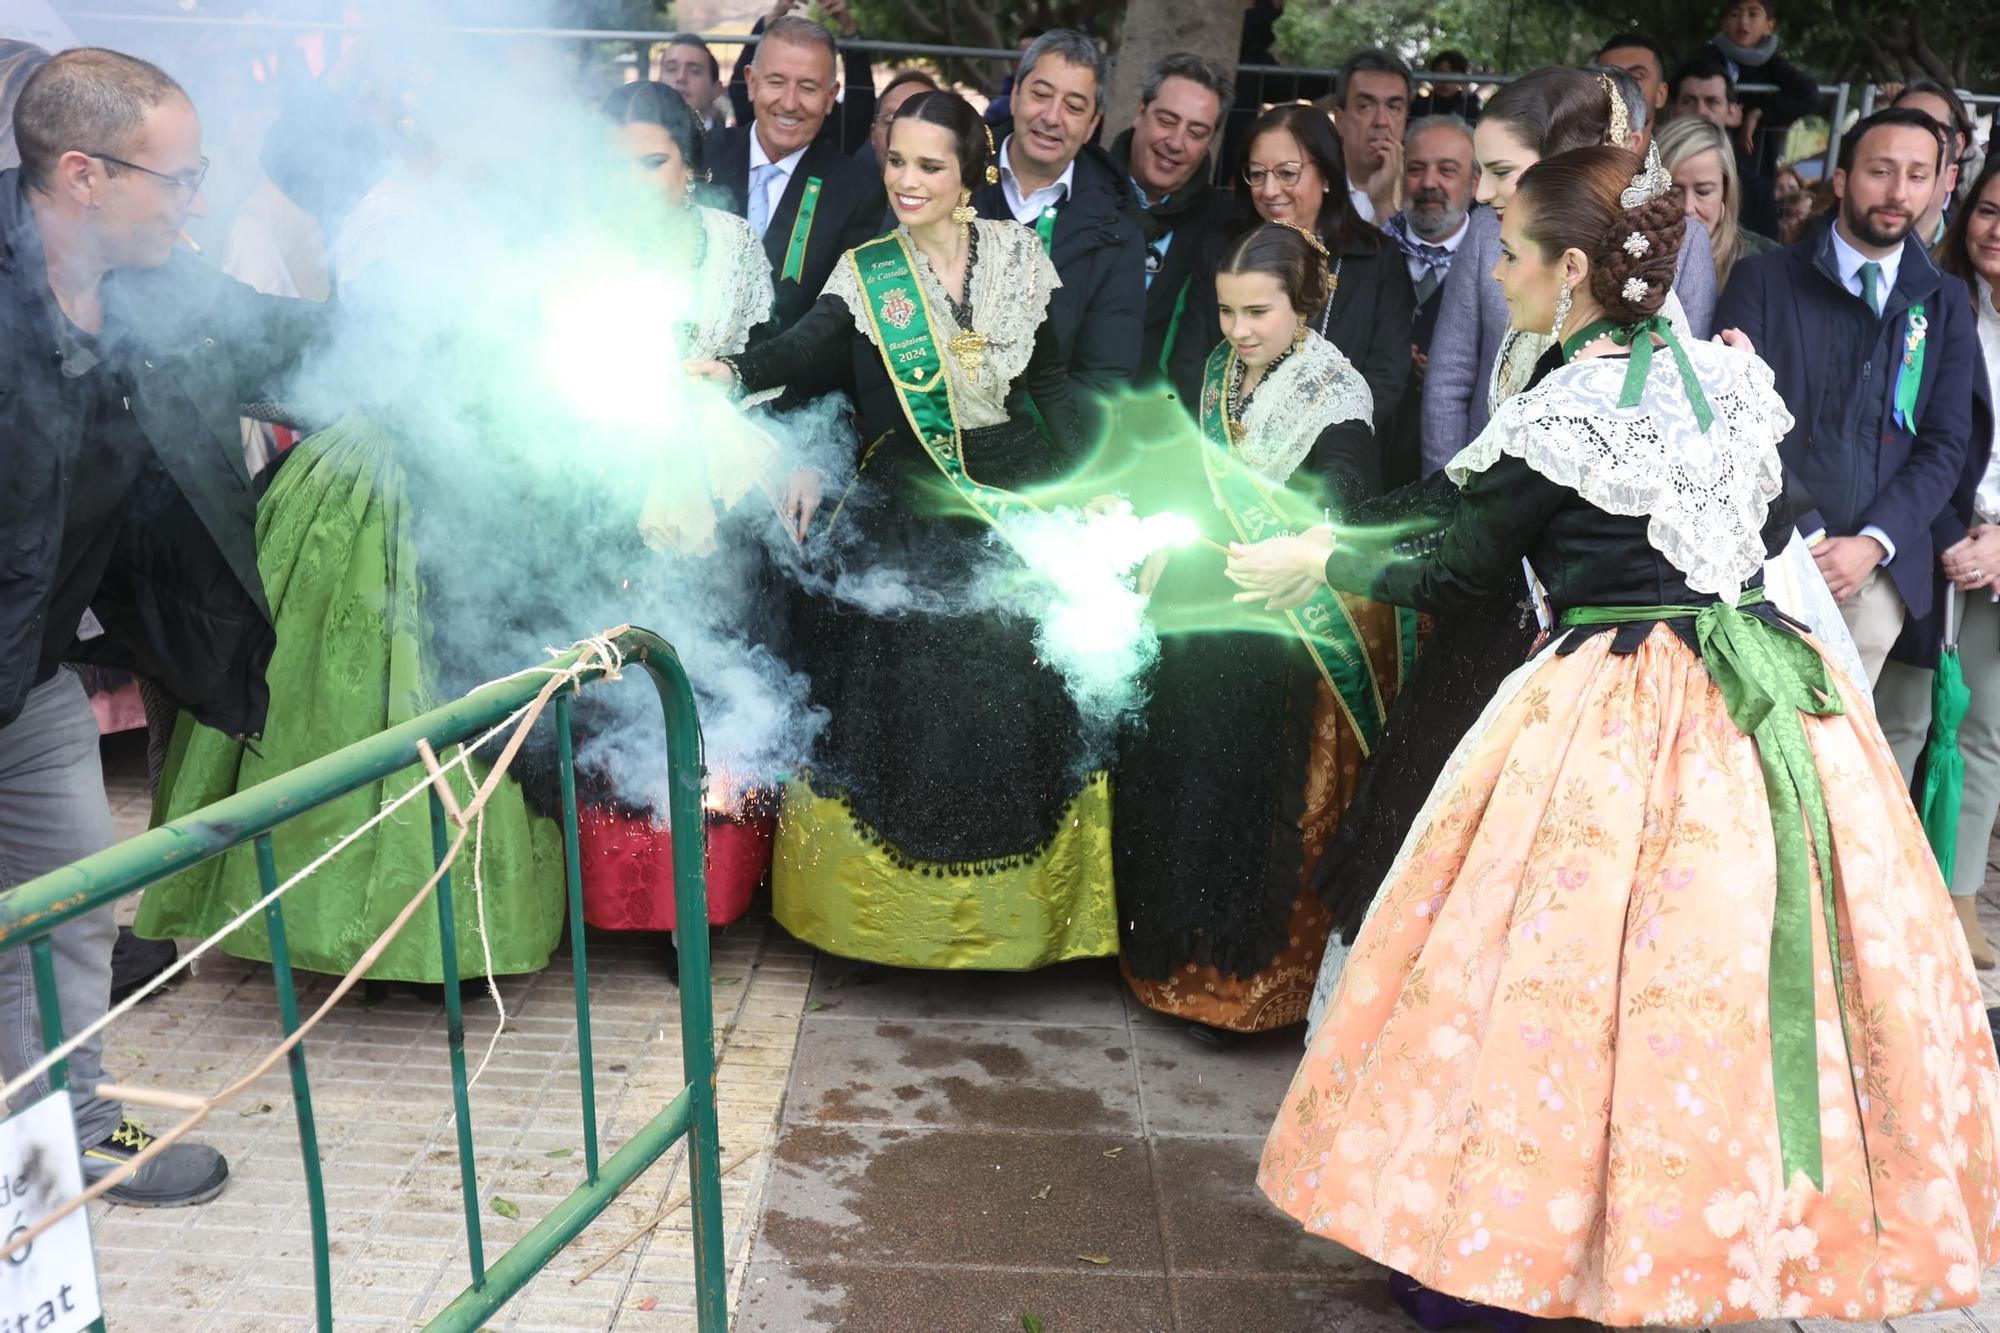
(1633, 267)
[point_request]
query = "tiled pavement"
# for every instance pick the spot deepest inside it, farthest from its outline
(955, 1151)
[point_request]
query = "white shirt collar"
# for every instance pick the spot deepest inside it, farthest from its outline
(1849, 261)
(1025, 207)
(785, 165)
(1362, 203)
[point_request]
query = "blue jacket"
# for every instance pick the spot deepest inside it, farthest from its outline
(1793, 307)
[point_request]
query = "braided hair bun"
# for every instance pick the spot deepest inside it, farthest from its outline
(1572, 202)
(1632, 265)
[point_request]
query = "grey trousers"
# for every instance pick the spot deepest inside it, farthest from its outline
(1903, 704)
(53, 811)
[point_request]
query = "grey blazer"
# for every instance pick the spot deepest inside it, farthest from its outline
(1472, 319)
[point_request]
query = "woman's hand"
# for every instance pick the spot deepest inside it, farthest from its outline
(1738, 339)
(1974, 562)
(714, 372)
(802, 496)
(1149, 572)
(1281, 572)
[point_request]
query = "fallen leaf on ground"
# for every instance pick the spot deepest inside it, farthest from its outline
(261, 1108)
(814, 1006)
(1043, 1192)
(1099, 1259)
(1031, 1323)
(727, 981)
(559, 1152)
(1113, 1152)
(648, 1303)
(506, 1207)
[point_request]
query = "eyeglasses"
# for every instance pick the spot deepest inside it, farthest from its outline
(1288, 174)
(188, 184)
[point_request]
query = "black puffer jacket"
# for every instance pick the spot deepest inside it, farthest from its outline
(181, 603)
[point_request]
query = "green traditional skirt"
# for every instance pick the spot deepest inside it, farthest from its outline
(352, 660)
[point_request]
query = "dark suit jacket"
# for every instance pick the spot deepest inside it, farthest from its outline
(1099, 312)
(1791, 304)
(1923, 636)
(849, 213)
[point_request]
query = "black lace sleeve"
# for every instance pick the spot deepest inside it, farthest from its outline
(1347, 464)
(1500, 513)
(810, 358)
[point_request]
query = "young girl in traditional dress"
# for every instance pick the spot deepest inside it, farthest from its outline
(1257, 723)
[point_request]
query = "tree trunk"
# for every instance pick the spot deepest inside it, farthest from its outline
(1154, 28)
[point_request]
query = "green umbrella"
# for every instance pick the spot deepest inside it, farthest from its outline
(1943, 770)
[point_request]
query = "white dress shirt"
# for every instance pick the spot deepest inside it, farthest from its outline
(1026, 208)
(1849, 261)
(774, 189)
(1363, 205)
(1450, 244)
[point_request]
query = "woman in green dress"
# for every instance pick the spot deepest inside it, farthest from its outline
(350, 564)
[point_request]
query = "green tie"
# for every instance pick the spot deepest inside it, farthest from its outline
(1871, 286)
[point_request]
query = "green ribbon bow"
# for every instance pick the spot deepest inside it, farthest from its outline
(1769, 678)
(1638, 338)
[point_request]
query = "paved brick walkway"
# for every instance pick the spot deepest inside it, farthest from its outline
(930, 1152)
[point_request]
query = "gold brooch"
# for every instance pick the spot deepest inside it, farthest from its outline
(968, 346)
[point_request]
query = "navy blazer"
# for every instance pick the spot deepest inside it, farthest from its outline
(1790, 302)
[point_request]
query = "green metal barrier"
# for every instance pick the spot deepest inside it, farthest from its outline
(31, 911)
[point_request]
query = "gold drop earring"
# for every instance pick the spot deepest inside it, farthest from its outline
(964, 214)
(1299, 334)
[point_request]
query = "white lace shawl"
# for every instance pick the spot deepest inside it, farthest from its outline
(1520, 352)
(1706, 494)
(1010, 287)
(1313, 388)
(733, 288)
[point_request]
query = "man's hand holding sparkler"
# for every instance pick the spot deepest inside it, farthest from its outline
(1281, 572)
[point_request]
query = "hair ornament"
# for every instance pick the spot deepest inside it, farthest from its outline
(1620, 132)
(1637, 246)
(1315, 242)
(1635, 290)
(1648, 185)
(992, 158)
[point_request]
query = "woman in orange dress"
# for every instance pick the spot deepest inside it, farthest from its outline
(1663, 1015)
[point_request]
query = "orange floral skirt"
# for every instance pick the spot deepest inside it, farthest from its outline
(1545, 1079)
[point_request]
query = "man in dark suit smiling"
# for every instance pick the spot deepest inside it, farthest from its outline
(806, 202)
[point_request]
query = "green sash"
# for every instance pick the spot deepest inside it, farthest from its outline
(1326, 623)
(802, 226)
(1770, 678)
(900, 316)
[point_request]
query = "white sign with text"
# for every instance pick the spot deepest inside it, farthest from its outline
(51, 1286)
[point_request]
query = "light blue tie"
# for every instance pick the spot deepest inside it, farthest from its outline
(760, 198)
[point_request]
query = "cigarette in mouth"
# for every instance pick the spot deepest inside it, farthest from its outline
(188, 241)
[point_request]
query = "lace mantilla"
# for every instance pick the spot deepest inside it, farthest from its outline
(1008, 287)
(1706, 493)
(1313, 388)
(1520, 352)
(735, 285)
